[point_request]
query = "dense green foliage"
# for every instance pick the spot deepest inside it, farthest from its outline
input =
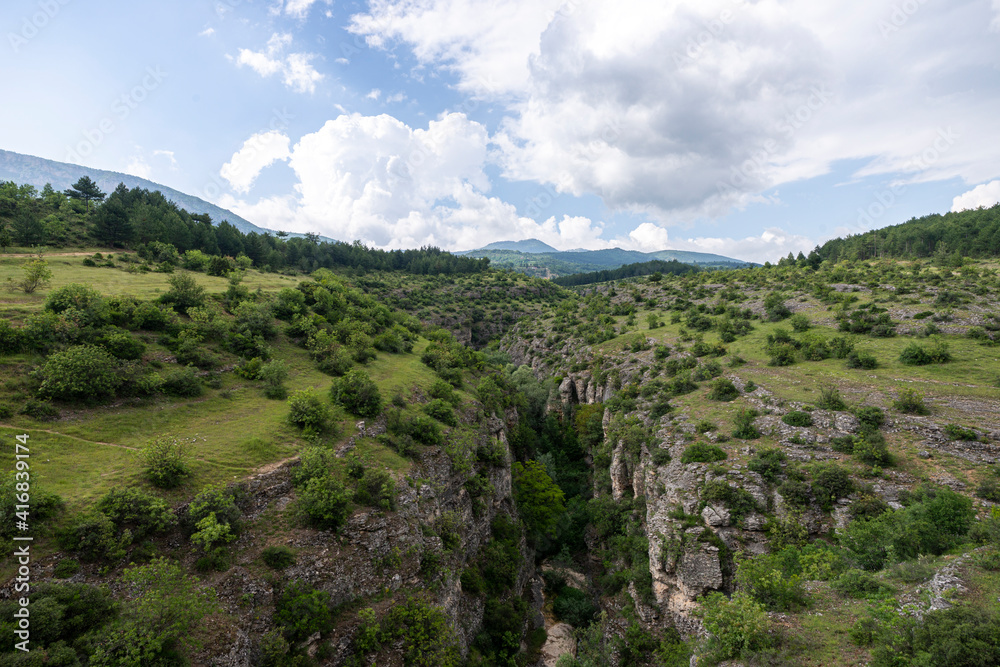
(656, 266)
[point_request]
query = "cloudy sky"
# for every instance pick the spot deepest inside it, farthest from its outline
(745, 128)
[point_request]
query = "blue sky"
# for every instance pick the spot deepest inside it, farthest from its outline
(749, 129)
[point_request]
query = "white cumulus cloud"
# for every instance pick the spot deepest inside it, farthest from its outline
(378, 180)
(257, 152)
(680, 110)
(296, 69)
(985, 195)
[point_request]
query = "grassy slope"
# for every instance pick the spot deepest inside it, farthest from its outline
(230, 431)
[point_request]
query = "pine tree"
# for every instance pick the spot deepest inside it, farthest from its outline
(112, 225)
(86, 190)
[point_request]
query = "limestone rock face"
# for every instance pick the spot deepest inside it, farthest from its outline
(560, 641)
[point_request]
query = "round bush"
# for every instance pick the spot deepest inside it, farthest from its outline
(723, 389)
(183, 382)
(703, 452)
(308, 412)
(798, 418)
(442, 411)
(123, 345)
(278, 557)
(164, 463)
(81, 372)
(85, 300)
(358, 394)
(324, 503)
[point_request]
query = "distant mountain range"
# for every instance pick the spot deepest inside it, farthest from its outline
(36, 171)
(536, 258)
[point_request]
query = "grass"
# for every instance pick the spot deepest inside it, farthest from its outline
(68, 269)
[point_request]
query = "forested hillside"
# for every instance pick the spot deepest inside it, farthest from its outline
(974, 233)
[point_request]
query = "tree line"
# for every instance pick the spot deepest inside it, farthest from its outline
(672, 267)
(973, 233)
(132, 218)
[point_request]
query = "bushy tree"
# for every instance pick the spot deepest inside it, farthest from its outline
(357, 393)
(540, 501)
(184, 293)
(81, 372)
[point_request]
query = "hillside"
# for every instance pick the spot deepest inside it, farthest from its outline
(537, 262)
(414, 458)
(36, 171)
(974, 233)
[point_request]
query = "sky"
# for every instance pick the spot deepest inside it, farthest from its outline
(745, 128)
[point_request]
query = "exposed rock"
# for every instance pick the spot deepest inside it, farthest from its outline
(560, 641)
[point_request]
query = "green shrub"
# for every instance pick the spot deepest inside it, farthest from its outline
(442, 411)
(800, 323)
(43, 411)
(137, 511)
(739, 501)
(376, 488)
(94, 537)
(273, 374)
(856, 583)
(862, 360)
(830, 482)
(80, 373)
(218, 501)
(989, 489)
(768, 581)
(870, 416)
(444, 391)
(249, 368)
(660, 456)
(911, 402)
(703, 452)
(324, 503)
(829, 398)
(122, 345)
(573, 606)
(12, 339)
(184, 293)
(66, 568)
(278, 557)
(914, 355)
(422, 633)
(738, 626)
(357, 393)
(870, 448)
(798, 418)
(723, 389)
(795, 493)
(308, 411)
(743, 423)
(301, 610)
(768, 463)
(87, 305)
(956, 432)
(164, 462)
(183, 382)
(314, 462)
